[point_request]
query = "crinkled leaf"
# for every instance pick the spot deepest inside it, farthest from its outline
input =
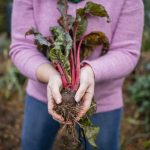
(96, 10)
(81, 22)
(70, 21)
(56, 55)
(91, 133)
(82, 15)
(85, 121)
(61, 49)
(66, 21)
(62, 39)
(91, 41)
(57, 32)
(62, 6)
(85, 52)
(82, 26)
(68, 43)
(32, 31)
(42, 43)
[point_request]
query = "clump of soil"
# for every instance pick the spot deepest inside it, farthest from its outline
(66, 141)
(67, 135)
(69, 108)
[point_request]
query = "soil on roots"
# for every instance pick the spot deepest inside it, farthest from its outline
(66, 141)
(69, 108)
(67, 135)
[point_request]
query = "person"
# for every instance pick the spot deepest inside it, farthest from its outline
(102, 76)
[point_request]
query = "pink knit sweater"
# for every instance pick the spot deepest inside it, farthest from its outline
(124, 33)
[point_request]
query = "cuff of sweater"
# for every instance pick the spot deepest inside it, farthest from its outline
(33, 65)
(94, 68)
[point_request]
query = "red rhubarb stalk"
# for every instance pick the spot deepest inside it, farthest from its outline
(61, 71)
(72, 65)
(78, 65)
(74, 43)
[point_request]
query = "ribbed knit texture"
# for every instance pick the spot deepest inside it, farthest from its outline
(124, 33)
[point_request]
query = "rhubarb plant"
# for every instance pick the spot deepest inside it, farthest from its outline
(66, 48)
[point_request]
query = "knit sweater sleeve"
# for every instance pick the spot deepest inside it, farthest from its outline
(125, 46)
(23, 52)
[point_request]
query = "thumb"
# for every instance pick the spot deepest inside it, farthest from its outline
(55, 90)
(81, 91)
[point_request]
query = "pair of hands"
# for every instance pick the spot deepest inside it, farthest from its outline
(85, 92)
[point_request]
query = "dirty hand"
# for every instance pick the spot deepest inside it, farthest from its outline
(85, 91)
(53, 94)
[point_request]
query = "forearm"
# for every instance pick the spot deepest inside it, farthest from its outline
(24, 54)
(113, 66)
(125, 45)
(45, 71)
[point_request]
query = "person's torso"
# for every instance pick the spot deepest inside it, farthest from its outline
(46, 15)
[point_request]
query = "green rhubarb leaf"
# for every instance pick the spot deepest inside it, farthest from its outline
(86, 51)
(42, 43)
(96, 10)
(68, 44)
(92, 109)
(66, 21)
(70, 21)
(58, 33)
(81, 22)
(90, 130)
(91, 133)
(85, 121)
(91, 41)
(82, 15)
(62, 6)
(56, 55)
(62, 40)
(61, 49)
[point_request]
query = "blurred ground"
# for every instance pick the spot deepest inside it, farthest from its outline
(10, 124)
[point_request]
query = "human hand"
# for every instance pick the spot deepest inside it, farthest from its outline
(53, 94)
(86, 90)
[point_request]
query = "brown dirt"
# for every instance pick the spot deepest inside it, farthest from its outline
(67, 135)
(68, 109)
(66, 141)
(10, 124)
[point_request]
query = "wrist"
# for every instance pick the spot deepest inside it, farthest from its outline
(89, 68)
(45, 72)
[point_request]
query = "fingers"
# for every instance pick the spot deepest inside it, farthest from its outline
(51, 106)
(81, 91)
(55, 90)
(54, 115)
(87, 100)
(86, 81)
